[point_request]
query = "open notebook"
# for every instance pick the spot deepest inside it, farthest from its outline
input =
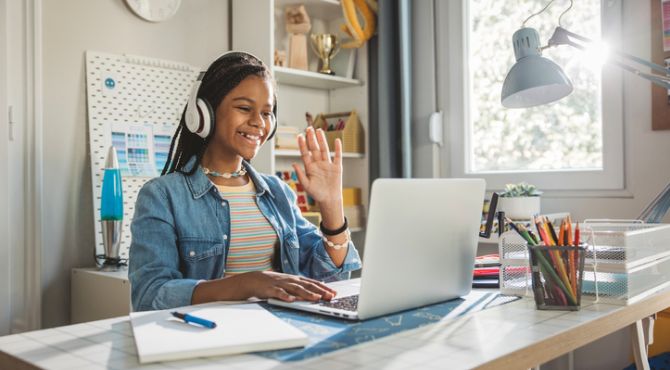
(239, 328)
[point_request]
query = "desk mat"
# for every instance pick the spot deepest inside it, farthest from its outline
(328, 334)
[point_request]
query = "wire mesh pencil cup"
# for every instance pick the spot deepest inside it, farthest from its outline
(557, 273)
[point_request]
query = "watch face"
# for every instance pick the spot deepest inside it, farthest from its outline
(154, 10)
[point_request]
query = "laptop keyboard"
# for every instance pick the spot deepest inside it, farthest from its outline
(349, 303)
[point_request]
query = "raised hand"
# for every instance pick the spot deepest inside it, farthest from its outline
(322, 177)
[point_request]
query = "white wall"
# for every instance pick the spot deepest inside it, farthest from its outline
(196, 35)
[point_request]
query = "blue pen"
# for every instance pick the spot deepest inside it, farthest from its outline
(193, 319)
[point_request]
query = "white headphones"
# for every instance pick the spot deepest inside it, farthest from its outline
(199, 116)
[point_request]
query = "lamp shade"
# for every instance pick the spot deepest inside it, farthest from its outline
(532, 80)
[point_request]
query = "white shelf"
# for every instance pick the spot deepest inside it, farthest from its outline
(356, 229)
(297, 77)
(296, 153)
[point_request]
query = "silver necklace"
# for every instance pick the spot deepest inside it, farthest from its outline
(225, 175)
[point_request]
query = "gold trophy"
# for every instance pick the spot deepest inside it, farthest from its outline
(325, 46)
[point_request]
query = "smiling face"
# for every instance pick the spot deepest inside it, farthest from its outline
(244, 120)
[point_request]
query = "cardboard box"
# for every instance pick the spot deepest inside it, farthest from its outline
(344, 126)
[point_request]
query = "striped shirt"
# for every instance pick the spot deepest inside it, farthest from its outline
(252, 238)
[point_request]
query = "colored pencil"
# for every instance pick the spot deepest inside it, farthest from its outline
(569, 230)
(555, 256)
(547, 267)
(552, 232)
(560, 273)
(532, 235)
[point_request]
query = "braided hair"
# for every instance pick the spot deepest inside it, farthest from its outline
(222, 76)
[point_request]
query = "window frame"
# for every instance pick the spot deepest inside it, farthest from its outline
(454, 95)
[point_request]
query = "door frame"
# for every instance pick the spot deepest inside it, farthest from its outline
(21, 159)
(5, 244)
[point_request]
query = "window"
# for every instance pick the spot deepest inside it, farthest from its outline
(575, 143)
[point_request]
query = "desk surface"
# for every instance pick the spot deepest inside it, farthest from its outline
(514, 335)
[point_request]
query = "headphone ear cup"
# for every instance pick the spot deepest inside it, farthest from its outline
(274, 123)
(206, 121)
(191, 118)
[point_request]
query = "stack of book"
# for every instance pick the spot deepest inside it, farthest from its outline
(487, 271)
(286, 137)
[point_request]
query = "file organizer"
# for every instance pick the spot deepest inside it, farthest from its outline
(125, 90)
(625, 261)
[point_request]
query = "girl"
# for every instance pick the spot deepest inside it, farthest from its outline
(211, 228)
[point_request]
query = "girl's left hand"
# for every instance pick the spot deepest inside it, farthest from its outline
(322, 177)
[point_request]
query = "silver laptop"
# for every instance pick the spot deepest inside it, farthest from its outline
(420, 247)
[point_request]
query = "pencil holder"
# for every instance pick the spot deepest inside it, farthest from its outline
(557, 274)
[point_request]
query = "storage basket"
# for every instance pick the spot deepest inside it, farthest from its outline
(351, 134)
(625, 261)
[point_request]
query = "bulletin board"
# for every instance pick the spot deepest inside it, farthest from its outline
(660, 54)
(136, 103)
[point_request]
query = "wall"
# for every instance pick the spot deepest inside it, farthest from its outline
(196, 35)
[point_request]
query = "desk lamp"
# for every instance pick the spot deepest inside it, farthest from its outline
(534, 80)
(111, 212)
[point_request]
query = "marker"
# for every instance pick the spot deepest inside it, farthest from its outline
(194, 319)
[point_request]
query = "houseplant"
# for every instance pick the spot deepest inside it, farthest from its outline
(520, 201)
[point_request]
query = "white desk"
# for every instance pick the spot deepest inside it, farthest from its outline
(511, 336)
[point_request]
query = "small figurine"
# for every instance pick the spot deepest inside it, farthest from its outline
(309, 119)
(297, 26)
(280, 58)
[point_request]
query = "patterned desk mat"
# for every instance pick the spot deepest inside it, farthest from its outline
(328, 334)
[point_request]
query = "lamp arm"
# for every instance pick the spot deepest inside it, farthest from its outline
(562, 36)
(647, 63)
(657, 208)
(658, 80)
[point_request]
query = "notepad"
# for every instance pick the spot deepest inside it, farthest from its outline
(240, 328)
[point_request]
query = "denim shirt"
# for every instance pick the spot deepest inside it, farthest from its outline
(181, 235)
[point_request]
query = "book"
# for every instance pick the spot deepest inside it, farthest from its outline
(486, 272)
(240, 328)
(286, 137)
(488, 260)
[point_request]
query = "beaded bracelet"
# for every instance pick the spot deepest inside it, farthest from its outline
(338, 246)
